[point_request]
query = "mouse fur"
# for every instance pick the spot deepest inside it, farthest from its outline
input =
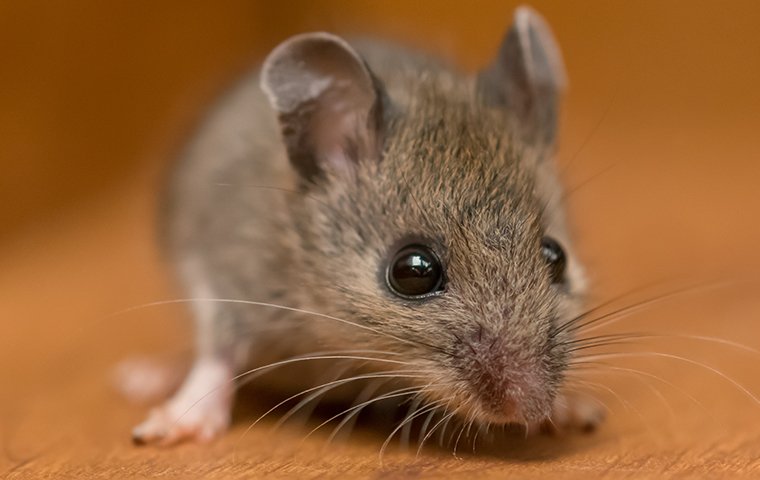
(306, 178)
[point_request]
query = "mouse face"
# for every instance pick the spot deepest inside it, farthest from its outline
(451, 249)
(435, 221)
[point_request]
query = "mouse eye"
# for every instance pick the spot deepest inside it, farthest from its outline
(555, 259)
(415, 272)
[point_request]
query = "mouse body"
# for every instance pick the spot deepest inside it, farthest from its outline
(380, 209)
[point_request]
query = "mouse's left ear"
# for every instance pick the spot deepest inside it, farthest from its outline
(527, 78)
(328, 102)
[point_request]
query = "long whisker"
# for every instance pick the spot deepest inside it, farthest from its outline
(626, 404)
(395, 393)
(702, 338)
(442, 434)
(666, 382)
(406, 431)
(563, 326)
(598, 340)
(322, 389)
(656, 391)
(444, 418)
(692, 288)
(566, 166)
(599, 344)
(409, 418)
(281, 363)
(588, 395)
(258, 304)
(477, 433)
(459, 436)
(365, 395)
(426, 424)
(714, 370)
(621, 313)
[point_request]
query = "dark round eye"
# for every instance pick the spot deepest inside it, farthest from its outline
(555, 259)
(415, 272)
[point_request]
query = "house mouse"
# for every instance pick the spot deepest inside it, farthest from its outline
(380, 209)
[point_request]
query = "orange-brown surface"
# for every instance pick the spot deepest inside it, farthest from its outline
(94, 96)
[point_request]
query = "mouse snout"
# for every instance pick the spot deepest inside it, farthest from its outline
(505, 380)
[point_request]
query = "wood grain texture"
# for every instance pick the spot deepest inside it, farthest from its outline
(659, 149)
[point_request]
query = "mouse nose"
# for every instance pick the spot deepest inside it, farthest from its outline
(504, 379)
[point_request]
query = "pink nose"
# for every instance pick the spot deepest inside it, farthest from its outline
(505, 383)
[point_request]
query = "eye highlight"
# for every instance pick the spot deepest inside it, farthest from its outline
(555, 259)
(415, 272)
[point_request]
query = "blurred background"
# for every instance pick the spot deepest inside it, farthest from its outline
(659, 148)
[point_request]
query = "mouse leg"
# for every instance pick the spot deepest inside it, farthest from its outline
(201, 409)
(572, 413)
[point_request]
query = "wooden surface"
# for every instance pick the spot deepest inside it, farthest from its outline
(659, 147)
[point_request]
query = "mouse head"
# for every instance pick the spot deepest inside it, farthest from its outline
(432, 216)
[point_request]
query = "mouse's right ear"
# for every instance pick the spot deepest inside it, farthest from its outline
(527, 78)
(329, 104)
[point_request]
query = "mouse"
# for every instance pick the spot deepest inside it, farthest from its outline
(364, 205)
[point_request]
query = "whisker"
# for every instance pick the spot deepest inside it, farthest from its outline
(646, 335)
(714, 370)
(475, 440)
(563, 326)
(444, 418)
(406, 431)
(306, 407)
(587, 180)
(672, 385)
(259, 304)
(263, 368)
(321, 389)
(409, 418)
(702, 338)
(566, 167)
(459, 436)
(395, 393)
(426, 424)
(626, 404)
(442, 434)
(625, 312)
(692, 288)
(588, 395)
(363, 396)
(657, 392)
(599, 344)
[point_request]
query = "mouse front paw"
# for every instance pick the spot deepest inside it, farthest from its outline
(581, 414)
(165, 425)
(200, 411)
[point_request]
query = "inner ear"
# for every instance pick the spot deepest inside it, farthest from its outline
(328, 102)
(527, 78)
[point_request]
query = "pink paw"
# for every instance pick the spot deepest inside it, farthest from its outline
(171, 424)
(572, 413)
(200, 411)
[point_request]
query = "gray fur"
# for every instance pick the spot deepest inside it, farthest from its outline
(450, 171)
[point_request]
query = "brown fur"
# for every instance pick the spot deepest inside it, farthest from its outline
(450, 173)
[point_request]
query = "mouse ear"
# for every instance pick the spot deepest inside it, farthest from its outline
(329, 104)
(527, 78)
